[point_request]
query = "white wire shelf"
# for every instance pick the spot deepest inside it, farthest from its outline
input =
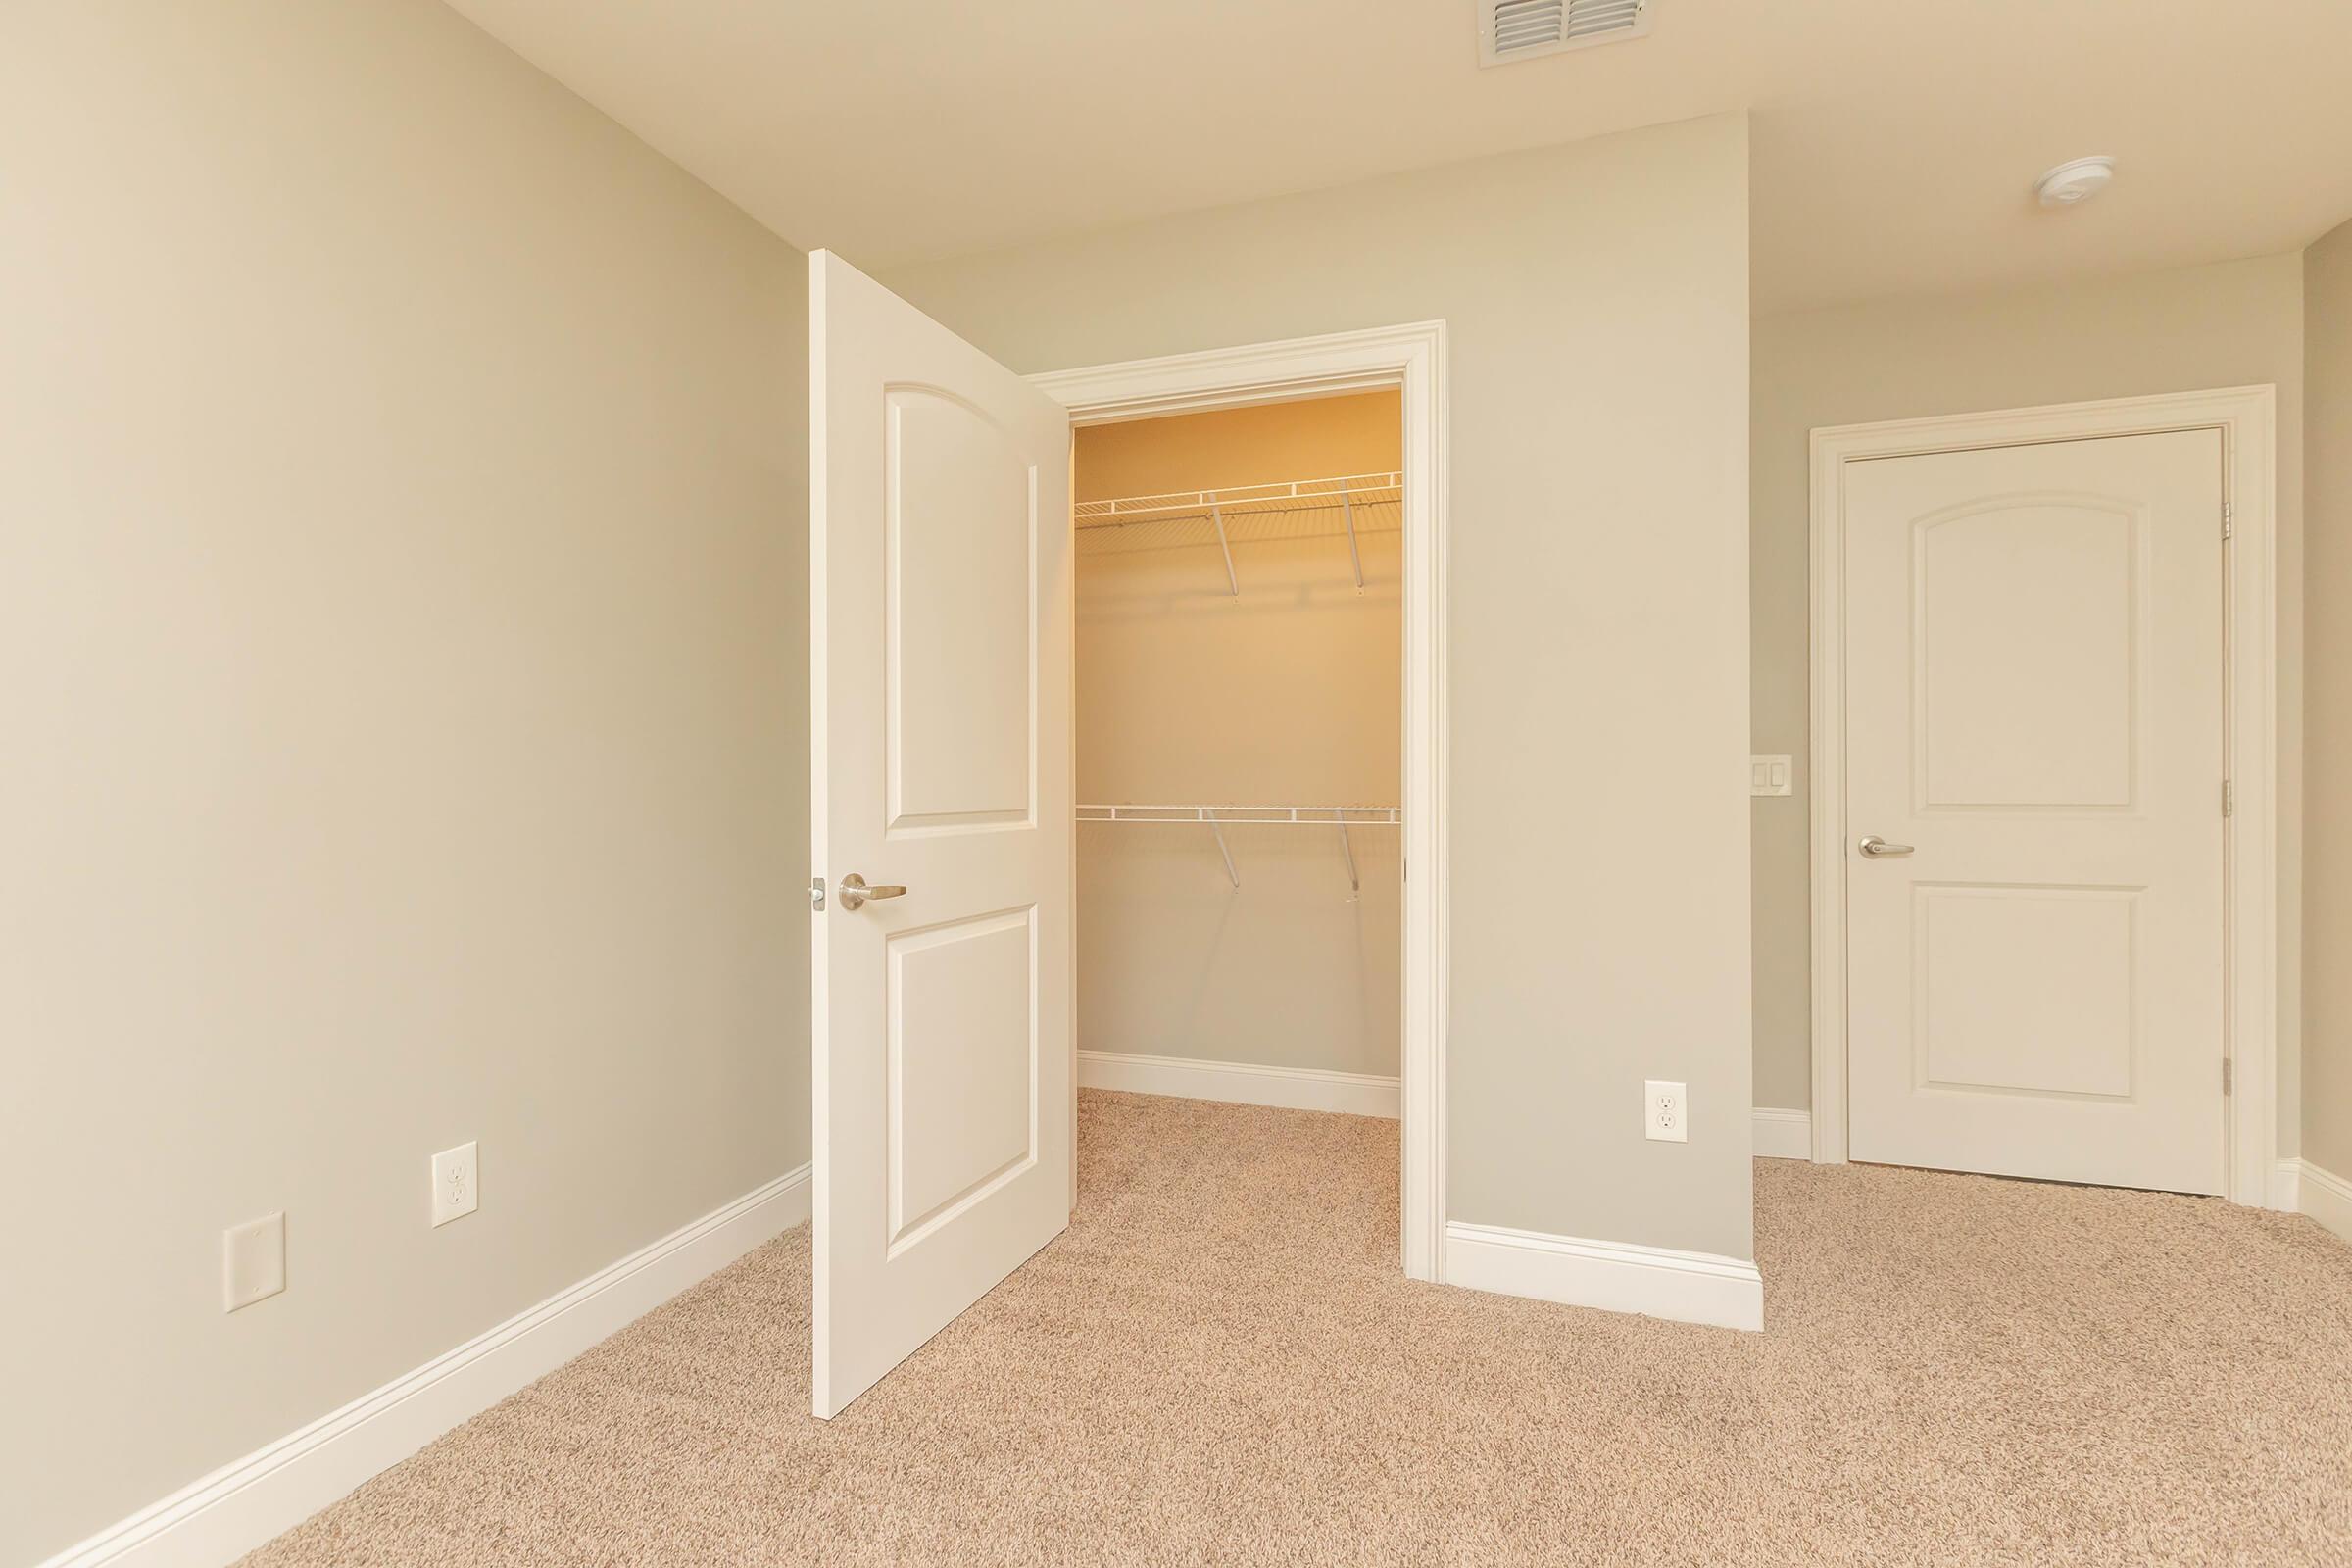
(1203, 506)
(1301, 816)
(1218, 817)
(1236, 504)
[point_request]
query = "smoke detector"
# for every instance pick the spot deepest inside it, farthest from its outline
(1521, 30)
(2074, 182)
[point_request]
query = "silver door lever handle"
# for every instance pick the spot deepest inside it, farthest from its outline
(1872, 845)
(854, 891)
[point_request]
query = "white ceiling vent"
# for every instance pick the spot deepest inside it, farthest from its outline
(1521, 30)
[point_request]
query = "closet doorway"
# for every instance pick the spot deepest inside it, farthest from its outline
(1239, 579)
(1407, 363)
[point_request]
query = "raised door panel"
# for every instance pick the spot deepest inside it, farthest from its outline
(2026, 655)
(963, 1067)
(2026, 990)
(961, 506)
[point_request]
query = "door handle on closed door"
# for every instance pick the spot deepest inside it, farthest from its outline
(854, 891)
(1874, 846)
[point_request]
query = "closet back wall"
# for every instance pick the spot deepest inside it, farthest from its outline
(1290, 693)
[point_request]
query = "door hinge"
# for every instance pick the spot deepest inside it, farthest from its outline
(2228, 519)
(2228, 1075)
(2228, 799)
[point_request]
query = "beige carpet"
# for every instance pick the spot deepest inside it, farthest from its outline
(1221, 1363)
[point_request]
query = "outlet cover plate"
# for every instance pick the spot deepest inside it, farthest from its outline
(1666, 1111)
(252, 1262)
(457, 1184)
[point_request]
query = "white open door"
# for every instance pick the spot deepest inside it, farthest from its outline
(940, 648)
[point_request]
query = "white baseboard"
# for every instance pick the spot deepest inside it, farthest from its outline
(2286, 1186)
(1614, 1276)
(1783, 1134)
(224, 1516)
(2326, 1196)
(1778, 1134)
(1241, 1083)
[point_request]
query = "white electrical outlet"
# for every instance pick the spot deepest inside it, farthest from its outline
(252, 1262)
(457, 1184)
(1666, 1111)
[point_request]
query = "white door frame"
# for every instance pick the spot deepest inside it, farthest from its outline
(2247, 420)
(1412, 358)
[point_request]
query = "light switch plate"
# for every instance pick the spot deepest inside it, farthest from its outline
(1771, 774)
(457, 1184)
(252, 1262)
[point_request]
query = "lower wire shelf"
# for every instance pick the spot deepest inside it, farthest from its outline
(1341, 818)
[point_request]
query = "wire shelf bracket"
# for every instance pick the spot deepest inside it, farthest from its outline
(1230, 875)
(1233, 582)
(1355, 558)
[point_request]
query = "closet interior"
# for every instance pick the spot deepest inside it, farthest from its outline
(1240, 718)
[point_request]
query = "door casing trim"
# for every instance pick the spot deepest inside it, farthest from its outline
(2247, 418)
(1412, 358)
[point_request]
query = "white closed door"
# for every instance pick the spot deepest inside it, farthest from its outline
(2034, 727)
(940, 647)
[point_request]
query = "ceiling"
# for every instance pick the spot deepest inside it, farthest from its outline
(1894, 140)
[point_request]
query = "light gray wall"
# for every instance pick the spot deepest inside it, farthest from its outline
(1597, 301)
(403, 629)
(2328, 758)
(2233, 324)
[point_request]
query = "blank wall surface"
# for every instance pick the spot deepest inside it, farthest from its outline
(1290, 692)
(403, 634)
